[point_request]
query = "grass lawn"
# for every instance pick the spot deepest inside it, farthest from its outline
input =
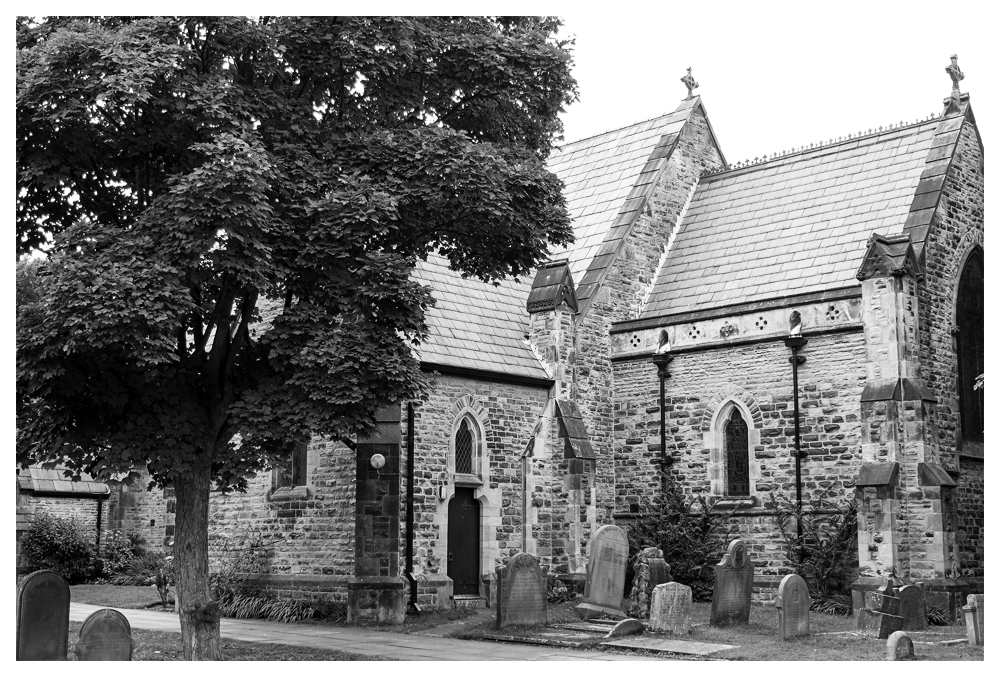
(115, 596)
(759, 640)
(151, 645)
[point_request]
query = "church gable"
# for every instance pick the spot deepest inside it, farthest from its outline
(607, 179)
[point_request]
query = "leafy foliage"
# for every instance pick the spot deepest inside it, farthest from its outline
(58, 545)
(184, 173)
(826, 552)
(118, 551)
(936, 615)
(691, 535)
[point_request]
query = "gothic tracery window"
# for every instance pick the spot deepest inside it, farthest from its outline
(737, 450)
(969, 318)
(464, 448)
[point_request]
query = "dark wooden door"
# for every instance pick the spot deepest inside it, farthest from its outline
(463, 541)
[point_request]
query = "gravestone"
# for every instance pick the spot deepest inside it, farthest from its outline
(106, 635)
(881, 613)
(793, 604)
(733, 586)
(899, 647)
(605, 585)
(650, 570)
(521, 592)
(629, 626)
(912, 608)
(42, 617)
(973, 611)
(671, 608)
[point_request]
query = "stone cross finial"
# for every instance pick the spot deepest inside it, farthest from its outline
(953, 70)
(689, 82)
(954, 105)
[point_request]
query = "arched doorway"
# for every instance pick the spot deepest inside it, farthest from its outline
(463, 541)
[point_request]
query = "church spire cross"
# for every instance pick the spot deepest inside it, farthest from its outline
(689, 82)
(953, 70)
(954, 105)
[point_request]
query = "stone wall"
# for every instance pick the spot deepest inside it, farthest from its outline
(956, 229)
(621, 297)
(508, 414)
(757, 377)
(133, 508)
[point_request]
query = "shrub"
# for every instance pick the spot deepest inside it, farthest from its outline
(826, 551)
(142, 569)
(691, 536)
(936, 615)
(118, 552)
(58, 545)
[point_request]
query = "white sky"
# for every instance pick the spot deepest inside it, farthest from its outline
(774, 75)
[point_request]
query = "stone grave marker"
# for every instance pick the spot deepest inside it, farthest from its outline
(671, 609)
(42, 617)
(973, 611)
(650, 570)
(733, 586)
(605, 585)
(899, 647)
(522, 594)
(106, 635)
(912, 608)
(793, 604)
(881, 613)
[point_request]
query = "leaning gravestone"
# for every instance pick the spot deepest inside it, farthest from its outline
(793, 604)
(733, 586)
(605, 585)
(880, 616)
(912, 608)
(106, 635)
(521, 592)
(671, 609)
(42, 617)
(973, 611)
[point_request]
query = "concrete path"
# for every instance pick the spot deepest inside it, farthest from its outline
(401, 646)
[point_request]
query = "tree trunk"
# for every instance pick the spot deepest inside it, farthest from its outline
(198, 612)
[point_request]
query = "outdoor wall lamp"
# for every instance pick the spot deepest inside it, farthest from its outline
(378, 462)
(662, 359)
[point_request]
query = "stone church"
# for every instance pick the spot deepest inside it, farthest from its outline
(698, 294)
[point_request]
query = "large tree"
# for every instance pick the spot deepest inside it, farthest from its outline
(190, 171)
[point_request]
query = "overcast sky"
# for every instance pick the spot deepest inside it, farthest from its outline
(776, 75)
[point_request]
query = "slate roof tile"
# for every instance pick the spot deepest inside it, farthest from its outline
(474, 324)
(796, 224)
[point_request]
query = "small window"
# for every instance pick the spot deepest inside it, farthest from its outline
(737, 441)
(464, 448)
(467, 450)
(293, 473)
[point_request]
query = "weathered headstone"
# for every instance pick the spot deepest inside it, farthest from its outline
(629, 626)
(521, 592)
(106, 635)
(973, 611)
(793, 604)
(42, 617)
(881, 613)
(605, 585)
(733, 586)
(671, 608)
(650, 570)
(899, 647)
(912, 608)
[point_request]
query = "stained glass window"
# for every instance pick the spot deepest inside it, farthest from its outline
(463, 448)
(737, 455)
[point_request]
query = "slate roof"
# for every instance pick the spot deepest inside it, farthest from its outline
(55, 481)
(474, 324)
(606, 179)
(797, 224)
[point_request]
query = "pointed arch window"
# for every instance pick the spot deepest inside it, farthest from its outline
(467, 448)
(737, 450)
(969, 320)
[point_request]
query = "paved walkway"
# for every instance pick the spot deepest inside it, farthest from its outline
(401, 646)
